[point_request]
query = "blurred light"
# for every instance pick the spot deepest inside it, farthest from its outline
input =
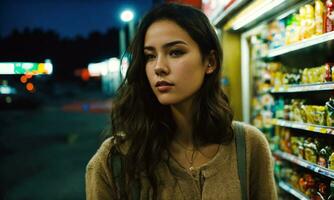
(7, 68)
(26, 67)
(95, 69)
(4, 89)
(127, 15)
(30, 87)
(113, 65)
(85, 74)
(124, 66)
(28, 75)
(8, 99)
(103, 68)
(85, 107)
(23, 79)
(41, 68)
(48, 66)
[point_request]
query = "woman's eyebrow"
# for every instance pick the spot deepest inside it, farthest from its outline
(167, 45)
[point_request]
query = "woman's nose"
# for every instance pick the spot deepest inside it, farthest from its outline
(161, 67)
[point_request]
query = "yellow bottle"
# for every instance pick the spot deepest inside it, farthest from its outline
(302, 18)
(331, 162)
(319, 17)
(309, 21)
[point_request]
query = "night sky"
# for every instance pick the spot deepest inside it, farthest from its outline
(67, 17)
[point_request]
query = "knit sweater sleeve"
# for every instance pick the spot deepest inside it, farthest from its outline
(261, 180)
(98, 175)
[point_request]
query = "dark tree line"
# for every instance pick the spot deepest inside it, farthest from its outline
(66, 54)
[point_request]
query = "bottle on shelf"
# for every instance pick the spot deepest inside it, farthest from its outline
(309, 21)
(331, 162)
(319, 10)
(329, 17)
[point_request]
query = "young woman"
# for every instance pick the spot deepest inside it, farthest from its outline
(172, 135)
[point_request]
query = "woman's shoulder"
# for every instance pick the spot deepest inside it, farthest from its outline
(253, 135)
(99, 175)
(105, 150)
(99, 159)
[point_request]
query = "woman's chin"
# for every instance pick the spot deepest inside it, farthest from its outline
(167, 101)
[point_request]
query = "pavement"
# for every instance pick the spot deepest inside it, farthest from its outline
(44, 152)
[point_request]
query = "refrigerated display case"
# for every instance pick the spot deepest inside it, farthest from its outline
(287, 87)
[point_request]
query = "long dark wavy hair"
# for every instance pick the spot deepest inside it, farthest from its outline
(148, 126)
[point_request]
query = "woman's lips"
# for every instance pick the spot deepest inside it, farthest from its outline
(163, 86)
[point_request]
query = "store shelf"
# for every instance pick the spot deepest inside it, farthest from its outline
(257, 12)
(223, 16)
(324, 39)
(304, 126)
(303, 88)
(286, 187)
(306, 164)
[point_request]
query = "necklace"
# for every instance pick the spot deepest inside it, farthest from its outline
(192, 157)
(194, 153)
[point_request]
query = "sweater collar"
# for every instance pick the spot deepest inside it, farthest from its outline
(207, 170)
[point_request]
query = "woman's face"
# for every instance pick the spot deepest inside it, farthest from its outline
(174, 65)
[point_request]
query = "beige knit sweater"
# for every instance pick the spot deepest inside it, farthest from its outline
(217, 179)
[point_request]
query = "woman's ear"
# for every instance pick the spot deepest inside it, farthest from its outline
(211, 62)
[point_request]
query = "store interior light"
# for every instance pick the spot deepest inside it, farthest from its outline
(255, 13)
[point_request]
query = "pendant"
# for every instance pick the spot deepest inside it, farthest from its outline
(192, 171)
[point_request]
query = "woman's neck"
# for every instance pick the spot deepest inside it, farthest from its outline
(183, 119)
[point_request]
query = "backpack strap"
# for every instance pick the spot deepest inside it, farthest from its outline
(241, 158)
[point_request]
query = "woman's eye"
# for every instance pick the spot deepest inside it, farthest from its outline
(149, 57)
(176, 53)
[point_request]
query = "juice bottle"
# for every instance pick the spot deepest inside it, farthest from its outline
(309, 21)
(319, 11)
(295, 28)
(288, 31)
(331, 161)
(292, 31)
(302, 19)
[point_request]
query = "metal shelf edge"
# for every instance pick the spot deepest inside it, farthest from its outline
(303, 163)
(292, 191)
(301, 45)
